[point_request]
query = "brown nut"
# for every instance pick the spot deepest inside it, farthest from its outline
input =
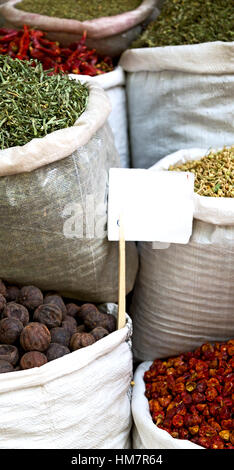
(99, 332)
(86, 309)
(12, 293)
(94, 319)
(32, 359)
(109, 322)
(10, 330)
(81, 340)
(48, 314)
(35, 337)
(31, 297)
(70, 324)
(14, 310)
(2, 288)
(72, 310)
(55, 351)
(5, 366)
(2, 303)
(9, 353)
(57, 300)
(60, 336)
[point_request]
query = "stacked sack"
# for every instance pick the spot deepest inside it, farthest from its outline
(53, 236)
(183, 297)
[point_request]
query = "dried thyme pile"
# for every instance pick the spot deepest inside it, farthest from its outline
(190, 22)
(214, 173)
(34, 103)
(78, 9)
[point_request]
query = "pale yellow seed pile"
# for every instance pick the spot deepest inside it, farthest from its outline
(214, 173)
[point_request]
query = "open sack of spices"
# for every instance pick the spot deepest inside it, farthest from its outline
(78, 60)
(111, 26)
(66, 369)
(185, 402)
(184, 294)
(182, 68)
(57, 149)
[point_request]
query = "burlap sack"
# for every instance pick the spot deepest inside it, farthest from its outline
(109, 35)
(114, 85)
(53, 210)
(184, 294)
(179, 97)
(80, 401)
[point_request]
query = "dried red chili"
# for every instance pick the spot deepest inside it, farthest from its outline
(28, 44)
(195, 395)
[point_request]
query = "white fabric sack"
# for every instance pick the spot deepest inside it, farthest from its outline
(53, 212)
(114, 85)
(80, 401)
(109, 35)
(146, 435)
(179, 97)
(184, 294)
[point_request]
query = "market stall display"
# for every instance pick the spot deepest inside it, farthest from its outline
(185, 81)
(110, 27)
(53, 189)
(184, 293)
(185, 401)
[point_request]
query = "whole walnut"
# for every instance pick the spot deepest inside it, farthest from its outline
(109, 322)
(2, 303)
(72, 310)
(5, 366)
(14, 310)
(56, 299)
(99, 332)
(81, 340)
(12, 293)
(31, 297)
(48, 314)
(55, 351)
(32, 359)
(35, 337)
(96, 318)
(10, 330)
(2, 288)
(85, 310)
(70, 324)
(9, 353)
(60, 336)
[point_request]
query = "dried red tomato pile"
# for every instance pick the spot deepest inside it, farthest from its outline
(32, 44)
(191, 396)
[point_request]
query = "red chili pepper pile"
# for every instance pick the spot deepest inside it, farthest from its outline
(192, 396)
(32, 44)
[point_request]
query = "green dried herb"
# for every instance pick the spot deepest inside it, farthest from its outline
(78, 9)
(214, 173)
(190, 22)
(34, 103)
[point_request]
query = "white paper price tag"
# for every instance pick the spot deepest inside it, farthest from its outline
(155, 205)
